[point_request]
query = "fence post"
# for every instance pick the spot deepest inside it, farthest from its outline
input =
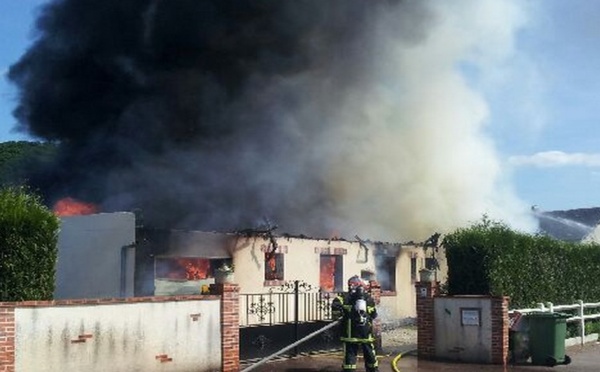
(426, 293)
(7, 337)
(230, 325)
(550, 307)
(542, 306)
(581, 321)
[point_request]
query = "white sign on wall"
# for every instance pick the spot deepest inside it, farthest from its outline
(470, 316)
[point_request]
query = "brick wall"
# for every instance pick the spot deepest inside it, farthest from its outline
(375, 289)
(500, 330)
(425, 319)
(7, 338)
(230, 325)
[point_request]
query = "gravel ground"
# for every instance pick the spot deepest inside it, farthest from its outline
(399, 336)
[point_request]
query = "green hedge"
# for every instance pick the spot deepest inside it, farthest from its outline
(28, 246)
(490, 258)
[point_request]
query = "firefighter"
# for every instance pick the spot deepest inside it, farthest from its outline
(357, 310)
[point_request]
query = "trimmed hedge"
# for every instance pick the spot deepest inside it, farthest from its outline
(28, 246)
(490, 258)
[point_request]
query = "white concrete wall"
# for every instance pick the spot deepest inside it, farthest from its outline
(119, 337)
(405, 299)
(454, 341)
(301, 262)
(92, 260)
(403, 303)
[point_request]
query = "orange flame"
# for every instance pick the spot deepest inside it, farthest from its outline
(183, 268)
(195, 268)
(327, 273)
(187, 268)
(73, 207)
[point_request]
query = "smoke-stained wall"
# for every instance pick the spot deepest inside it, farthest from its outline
(343, 116)
(96, 256)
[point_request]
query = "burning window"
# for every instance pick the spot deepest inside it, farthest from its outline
(274, 266)
(330, 274)
(184, 268)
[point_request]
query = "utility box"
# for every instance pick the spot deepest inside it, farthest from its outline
(463, 328)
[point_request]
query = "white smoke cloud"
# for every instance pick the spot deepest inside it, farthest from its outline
(414, 157)
(547, 159)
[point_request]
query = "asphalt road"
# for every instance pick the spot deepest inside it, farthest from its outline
(584, 359)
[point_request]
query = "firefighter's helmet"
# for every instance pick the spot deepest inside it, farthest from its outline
(356, 284)
(355, 281)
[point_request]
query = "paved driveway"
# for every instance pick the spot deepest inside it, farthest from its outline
(584, 359)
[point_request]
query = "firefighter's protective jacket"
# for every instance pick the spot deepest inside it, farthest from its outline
(357, 326)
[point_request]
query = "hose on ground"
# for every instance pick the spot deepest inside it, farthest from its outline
(397, 358)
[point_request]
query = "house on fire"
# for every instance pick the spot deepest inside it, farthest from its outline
(168, 262)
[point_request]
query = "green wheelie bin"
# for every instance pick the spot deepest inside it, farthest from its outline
(547, 333)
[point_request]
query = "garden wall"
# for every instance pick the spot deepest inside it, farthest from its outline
(177, 333)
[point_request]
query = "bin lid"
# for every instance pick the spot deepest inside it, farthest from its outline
(547, 314)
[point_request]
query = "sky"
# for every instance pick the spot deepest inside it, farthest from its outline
(541, 96)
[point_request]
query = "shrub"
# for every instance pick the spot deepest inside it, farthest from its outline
(28, 246)
(490, 258)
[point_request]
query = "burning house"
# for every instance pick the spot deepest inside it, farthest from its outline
(106, 255)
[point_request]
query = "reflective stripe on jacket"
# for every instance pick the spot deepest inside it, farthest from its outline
(352, 330)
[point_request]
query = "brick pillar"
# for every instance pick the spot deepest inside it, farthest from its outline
(425, 319)
(230, 325)
(375, 289)
(7, 338)
(500, 328)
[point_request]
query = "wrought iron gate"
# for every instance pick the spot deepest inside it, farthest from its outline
(270, 321)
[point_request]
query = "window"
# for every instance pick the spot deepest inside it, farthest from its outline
(274, 266)
(330, 274)
(431, 263)
(413, 268)
(187, 268)
(386, 272)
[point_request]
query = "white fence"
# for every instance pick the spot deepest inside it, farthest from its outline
(580, 317)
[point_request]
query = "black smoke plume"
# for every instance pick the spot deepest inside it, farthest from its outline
(203, 114)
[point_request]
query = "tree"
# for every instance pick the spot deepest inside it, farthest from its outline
(28, 246)
(18, 159)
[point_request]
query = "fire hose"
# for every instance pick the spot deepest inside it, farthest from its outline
(397, 358)
(308, 337)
